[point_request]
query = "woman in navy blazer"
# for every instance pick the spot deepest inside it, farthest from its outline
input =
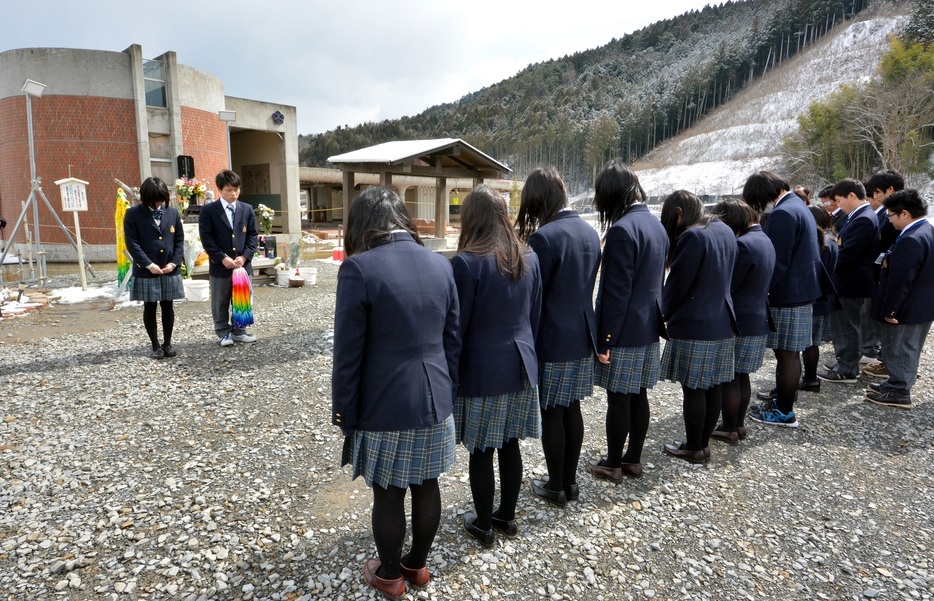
(698, 309)
(155, 239)
(629, 314)
(568, 251)
(749, 289)
(499, 287)
(396, 348)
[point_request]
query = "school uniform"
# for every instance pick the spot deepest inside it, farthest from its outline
(906, 287)
(396, 349)
(858, 243)
(629, 302)
(749, 289)
(795, 281)
(568, 251)
(824, 307)
(837, 219)
(497, 395)
(155, 237)
(698, 308)
(220, 238)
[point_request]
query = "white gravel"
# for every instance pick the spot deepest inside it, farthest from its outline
(214, 476)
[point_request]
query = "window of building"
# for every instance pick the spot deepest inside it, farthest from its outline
(154, 80)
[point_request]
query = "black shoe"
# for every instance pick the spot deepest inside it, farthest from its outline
(875, 386)
(556, 498)
(676, 449)
(892, 398)
(484, 537)
(157, 353)
(572, 492)
(507, 527)
(809, 385)
(763, 395)
(832, 376)
(168, 350)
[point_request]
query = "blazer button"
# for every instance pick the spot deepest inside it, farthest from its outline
(160, 237)
(161, 251)
(338, 420)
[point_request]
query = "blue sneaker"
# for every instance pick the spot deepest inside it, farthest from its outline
(227, 340)
(773, 417)
(757, 410)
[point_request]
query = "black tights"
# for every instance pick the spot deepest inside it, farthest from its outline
(735, 395)
(626, 415)
(810, 356)
(562, 437)
(787, 375)
(388, 522)
(483, 482)
(168, 321)
(701, 411)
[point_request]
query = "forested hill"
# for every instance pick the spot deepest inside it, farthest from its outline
(621, 99)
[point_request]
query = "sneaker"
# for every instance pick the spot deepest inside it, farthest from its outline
(892, 398)
(243, 338)
(774, 417)
(226, 340)
(766, 395)
(758, 410)
(875, 370)
(866, 360)
(875, 387)
(832, 376)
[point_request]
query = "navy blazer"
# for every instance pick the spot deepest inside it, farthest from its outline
(220, 241)
(149, 243)
(906, 286)
(793, 233)
(396, 339)
(826, 304)
(859, 248)
(568, 251)
(887, 236)
(837, 220)
(752, 276)
(696, 299)
(629, 299)
(499, 318)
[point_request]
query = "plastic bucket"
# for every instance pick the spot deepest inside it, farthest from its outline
(338, 253)
(197, 290)
(310, 274)
(282, 276)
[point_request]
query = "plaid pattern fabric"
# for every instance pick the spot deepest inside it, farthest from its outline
(630, 368)
(820, 330)
(698, 364)
(793, 328)
(560, 383)
(749, 351)
(160, 288)
(404, 457)
(487, 422)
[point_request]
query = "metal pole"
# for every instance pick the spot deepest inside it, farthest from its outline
(34, 183)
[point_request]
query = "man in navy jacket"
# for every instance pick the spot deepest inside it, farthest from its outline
(902, 301)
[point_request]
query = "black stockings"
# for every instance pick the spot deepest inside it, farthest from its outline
(701, 412)
(562, 437)
(483, 482)
(388, 523)
(811, 356)
(787, 375)
(626, 415)
(735, 395)
(168, 321)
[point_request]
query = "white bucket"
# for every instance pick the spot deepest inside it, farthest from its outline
(282, 276)
(310, 274)
(197, 290)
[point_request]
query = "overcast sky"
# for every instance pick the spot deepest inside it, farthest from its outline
(341, 62)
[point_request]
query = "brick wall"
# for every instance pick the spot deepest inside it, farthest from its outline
(204, 137)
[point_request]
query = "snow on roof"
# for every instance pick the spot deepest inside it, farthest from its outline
(390, 153)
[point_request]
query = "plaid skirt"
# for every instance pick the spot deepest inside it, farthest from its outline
(486, 422)
(698, 364)
(403, 457)
(561, 383)
(631, 368)
(749, 353)
(820, 330)
(159, 288)
(793, 328)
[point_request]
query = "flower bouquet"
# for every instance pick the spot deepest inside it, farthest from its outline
(188, 190)
(265, 215)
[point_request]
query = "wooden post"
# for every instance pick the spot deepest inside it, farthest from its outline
(441, 207)
(84, 277)
(347, 194)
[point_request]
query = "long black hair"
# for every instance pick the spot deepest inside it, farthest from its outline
(616, 189)
(486, 230)
(372, 218)
(680, 210)
(543, 195)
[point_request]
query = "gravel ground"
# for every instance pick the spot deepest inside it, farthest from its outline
(214, 476)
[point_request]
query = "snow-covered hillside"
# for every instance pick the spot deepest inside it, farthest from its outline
(742, 136)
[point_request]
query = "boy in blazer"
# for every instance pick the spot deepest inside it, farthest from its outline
(228, 234)
(902, 302)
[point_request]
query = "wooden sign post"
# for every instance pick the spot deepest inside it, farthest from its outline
(75, 199)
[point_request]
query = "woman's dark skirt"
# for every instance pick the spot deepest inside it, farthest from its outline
(561, 383)
(487, 422)
(631, 368)
(698, 364)
(820, 330)
(403, 457)
(749, 353)
(792, 328)
(159, 288)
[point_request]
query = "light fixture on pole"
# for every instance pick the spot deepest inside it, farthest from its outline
(228, 117)
(34, 88)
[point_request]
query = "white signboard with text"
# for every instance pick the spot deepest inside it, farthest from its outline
(74, 195)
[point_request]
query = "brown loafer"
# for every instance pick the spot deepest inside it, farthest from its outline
(730, 438)
(633, 470)
(393, 589)
(613, 474)
(417, 577)
(675, 450)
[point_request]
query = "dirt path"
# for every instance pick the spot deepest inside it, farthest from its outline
(61, 319)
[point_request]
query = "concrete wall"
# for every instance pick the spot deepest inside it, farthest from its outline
(67, 71)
